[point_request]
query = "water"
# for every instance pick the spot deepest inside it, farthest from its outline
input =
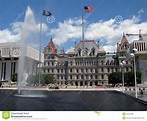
(28, 38)
(69, 101)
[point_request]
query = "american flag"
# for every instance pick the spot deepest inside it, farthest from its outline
(88, 8)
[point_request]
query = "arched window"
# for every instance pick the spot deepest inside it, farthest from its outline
(93, 51)
(79, 52)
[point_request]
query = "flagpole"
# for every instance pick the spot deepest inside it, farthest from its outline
(40, 49)
(83, 26)
(83, 31)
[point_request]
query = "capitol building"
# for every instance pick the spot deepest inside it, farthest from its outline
(90, 66)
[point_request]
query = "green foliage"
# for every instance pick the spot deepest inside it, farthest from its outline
(115, 78)
(14, 77)
(130, 78)
(48, 79)
(44, 79)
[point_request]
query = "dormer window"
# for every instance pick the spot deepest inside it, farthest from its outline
(79, 52)
(49, 49)
(93, 51)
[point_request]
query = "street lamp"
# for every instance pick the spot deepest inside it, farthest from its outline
(122, 65)
(133, 55)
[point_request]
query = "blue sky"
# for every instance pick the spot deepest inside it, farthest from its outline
(100, 25)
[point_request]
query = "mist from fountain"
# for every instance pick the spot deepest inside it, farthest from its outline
(28, 37)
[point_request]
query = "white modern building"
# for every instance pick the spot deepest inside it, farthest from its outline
(9, 57)
(141, 57)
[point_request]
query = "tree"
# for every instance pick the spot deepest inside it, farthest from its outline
(130, 79)
(115, 78)
(49, 79)
(14, 77)
(44, 79)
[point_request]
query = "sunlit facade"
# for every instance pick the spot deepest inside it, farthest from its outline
(90, 67)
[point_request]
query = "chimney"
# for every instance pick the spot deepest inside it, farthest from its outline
(62, 51)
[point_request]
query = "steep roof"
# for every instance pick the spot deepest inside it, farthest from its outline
(52, 45)
(124, 40)
(90, 45)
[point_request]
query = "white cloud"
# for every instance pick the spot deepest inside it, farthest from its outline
(111, 48)
(27, 30)
(108, 32)
(69, 29)
(141, 10)
(70, 50)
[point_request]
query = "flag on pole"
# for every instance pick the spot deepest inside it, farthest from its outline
(88, 8)
(46, 13)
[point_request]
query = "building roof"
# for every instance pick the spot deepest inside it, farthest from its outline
(52, 45)
(90, 45)
(123, 41)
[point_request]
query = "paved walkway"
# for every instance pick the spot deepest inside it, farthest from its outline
(130, 91)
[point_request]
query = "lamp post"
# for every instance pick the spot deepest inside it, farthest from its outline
(133, 55)
(122, 65)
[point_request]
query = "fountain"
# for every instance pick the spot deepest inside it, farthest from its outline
(28, 55)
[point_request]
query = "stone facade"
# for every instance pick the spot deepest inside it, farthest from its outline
(90, 66)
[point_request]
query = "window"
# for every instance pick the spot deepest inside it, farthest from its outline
(52, 70)
(86, 70)
(61, 76)
(61, 70)
(86, 76)
(52, 57)
(91, 70)
(112, 69)
(77, 77)
(102, 69)
(49, 49)
(82, 77)
(77, 70)
(48, 70)
(70, 76)
(58, 77)
(79, 52)
(95, 76)
(95, 70)
(102, 76)
(52, 63)
(65, 77)
(107, 63)
(93, 52)
(70, 70)
(91, 77)
(82, 70)
(71, 63)
(102, 62)
(58, 70)
(48, 63)
(108, 69)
